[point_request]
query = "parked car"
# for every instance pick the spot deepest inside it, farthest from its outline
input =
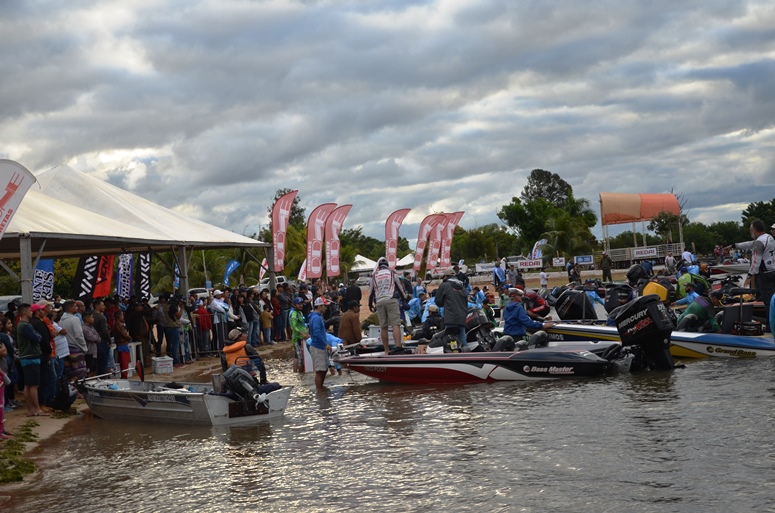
(200, 292)
(5, 300)
(264, 284)
(362, 281)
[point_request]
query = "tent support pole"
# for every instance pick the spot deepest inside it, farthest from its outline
(40, 252)
(25, 255)
(183, 266)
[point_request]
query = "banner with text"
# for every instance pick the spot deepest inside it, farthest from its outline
(316, 229)
(281, 214)
(230, 267)
(143, 275)
(530, 264)
(558, 262)
(392, 227)
(334, 224)
(446, 241)
(85, 277)
(124, 275)
(104, 282)
(17, 181)
(435, 242)
(583, 259)
(644, 252)
(426, 227)
(43, 281)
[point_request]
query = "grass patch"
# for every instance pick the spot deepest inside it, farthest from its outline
(13, 467)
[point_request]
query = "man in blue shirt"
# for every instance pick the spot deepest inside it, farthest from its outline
(691, 295)
(415, 310)
(498, 275)
(478, 297)
(517, 320)
(318, 342)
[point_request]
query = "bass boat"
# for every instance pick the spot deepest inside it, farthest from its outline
(645, 330)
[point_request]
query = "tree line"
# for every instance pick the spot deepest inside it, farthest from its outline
(545, 209)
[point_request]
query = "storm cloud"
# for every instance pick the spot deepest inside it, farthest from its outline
(208, 107)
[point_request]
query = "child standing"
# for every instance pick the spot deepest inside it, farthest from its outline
(266, 323)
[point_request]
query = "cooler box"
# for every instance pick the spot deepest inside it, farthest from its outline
(376, 332)
(162, 365)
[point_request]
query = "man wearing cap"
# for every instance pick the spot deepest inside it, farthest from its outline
(451, 296)
(299, 333)
(605, 265)
(516, 319)
(762, 260)
(384, 290)
(318, 343)
(432, 323)
(237, 351)
(690, 296)
(350, 324)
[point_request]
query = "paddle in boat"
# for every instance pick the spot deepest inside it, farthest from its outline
(240, 401)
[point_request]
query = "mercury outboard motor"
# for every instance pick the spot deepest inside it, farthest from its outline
(644, 322)
(636, 273)
(239, 381)
(479, 330)
(575, 305)
(617, 295)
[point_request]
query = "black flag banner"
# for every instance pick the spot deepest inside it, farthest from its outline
(85, 277)
(143, 276)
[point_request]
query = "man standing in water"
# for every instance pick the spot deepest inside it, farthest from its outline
(318, 348)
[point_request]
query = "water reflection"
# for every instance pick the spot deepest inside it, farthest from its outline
(699, 439)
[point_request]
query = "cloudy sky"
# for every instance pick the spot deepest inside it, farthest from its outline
(208, 107)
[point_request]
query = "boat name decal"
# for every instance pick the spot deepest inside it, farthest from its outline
(556, 336)
(549, 370)
(730, 352)
(374, 368)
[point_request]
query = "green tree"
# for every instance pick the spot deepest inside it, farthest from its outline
(762, 210)
(728, 232)
(568, 235)
(665, 224)
(546, 185)
(527, 219)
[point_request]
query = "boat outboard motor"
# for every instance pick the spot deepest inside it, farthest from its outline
(479, 329)
(644, 322)
(636, 273)
(575, 305)
(616, 294)
(239, 381)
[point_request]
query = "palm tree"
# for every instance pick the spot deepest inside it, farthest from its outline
(567, 235)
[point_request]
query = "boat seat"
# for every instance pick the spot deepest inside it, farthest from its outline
(739, 291)
(734, 313)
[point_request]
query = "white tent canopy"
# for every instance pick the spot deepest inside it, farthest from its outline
(69, 185)
(363, 264)
(407, 260)
(74, 214)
